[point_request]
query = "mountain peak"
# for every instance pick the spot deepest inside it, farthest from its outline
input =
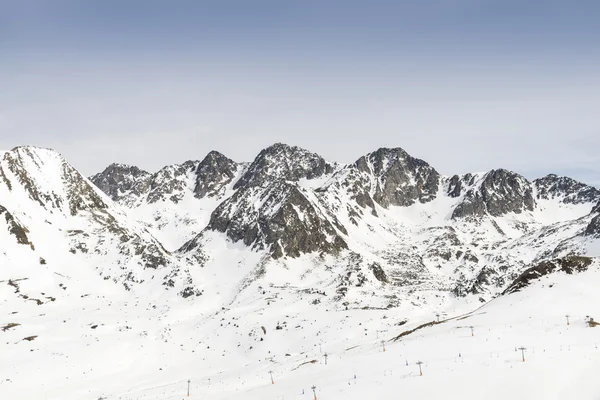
(566, 189)
(214, 155)
(33, 153)
(214, 172)
(400, 178)
(47, 179)
(119, 179)
(282, 161)
(382, 159)
(499, 192)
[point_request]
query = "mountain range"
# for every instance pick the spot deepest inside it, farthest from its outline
(128, 283)
(385, 224)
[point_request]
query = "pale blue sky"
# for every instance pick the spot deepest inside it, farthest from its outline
(467, 85)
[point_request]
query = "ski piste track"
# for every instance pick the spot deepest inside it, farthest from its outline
(446, 349)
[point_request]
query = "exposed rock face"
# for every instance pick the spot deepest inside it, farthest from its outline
(399, 179)
(283, 162)
(568, 265)
(14, 227)
(499, 192)
(60, 205)
(171, 182)
(120, 180)
(567, 190)
(459, 183)
(596, 209)
(593, 228)
(279, 218)
(485, 278)
(29, 165)
(131, 186)
(214, 173)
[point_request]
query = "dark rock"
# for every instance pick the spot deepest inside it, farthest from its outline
(401, 179)
(483, 279)
(283, 162)
(14, 227)
(213, 174)
(569, 265)
(568, 190)
(593, 228)
(170, 183)
(286, 222)
(457, 183)
(499, 193)
(118, 180)
(379, 273)
(80, 195)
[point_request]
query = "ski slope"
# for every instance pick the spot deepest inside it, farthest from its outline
(149, 349)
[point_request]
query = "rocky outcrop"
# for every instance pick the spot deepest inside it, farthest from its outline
(14, 227)
(279, 218)
(131, 186)
(398, 179)
(565, 189)
(458, 184)
(499, 192)
(593, 228)
(29, 167)
(213, 174)
(120, 180)
(171, 182)
(283, 162)
(61, 206)
(596, 208)
(569, 265)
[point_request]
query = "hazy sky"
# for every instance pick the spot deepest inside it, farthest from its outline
(467, 85)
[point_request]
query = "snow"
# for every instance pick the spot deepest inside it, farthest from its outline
(593, 248)
(141, 352)
(94, 339)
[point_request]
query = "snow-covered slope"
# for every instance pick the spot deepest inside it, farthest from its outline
(175, 203)
(387, 212)
(132, 347)
(270, 264)
(54, 218)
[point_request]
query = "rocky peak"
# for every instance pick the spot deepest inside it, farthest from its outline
(172, 182)
(48, 179)
(568, 190)
(281, 161)
(214, 173)
(459, 183)
(499, 192)
(129, 185)
(120, 180)
(593, 228)
(400, 179)
(279, 218)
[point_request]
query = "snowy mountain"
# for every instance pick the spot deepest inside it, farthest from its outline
(61, 218)
(220, 271)
(465, 234)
